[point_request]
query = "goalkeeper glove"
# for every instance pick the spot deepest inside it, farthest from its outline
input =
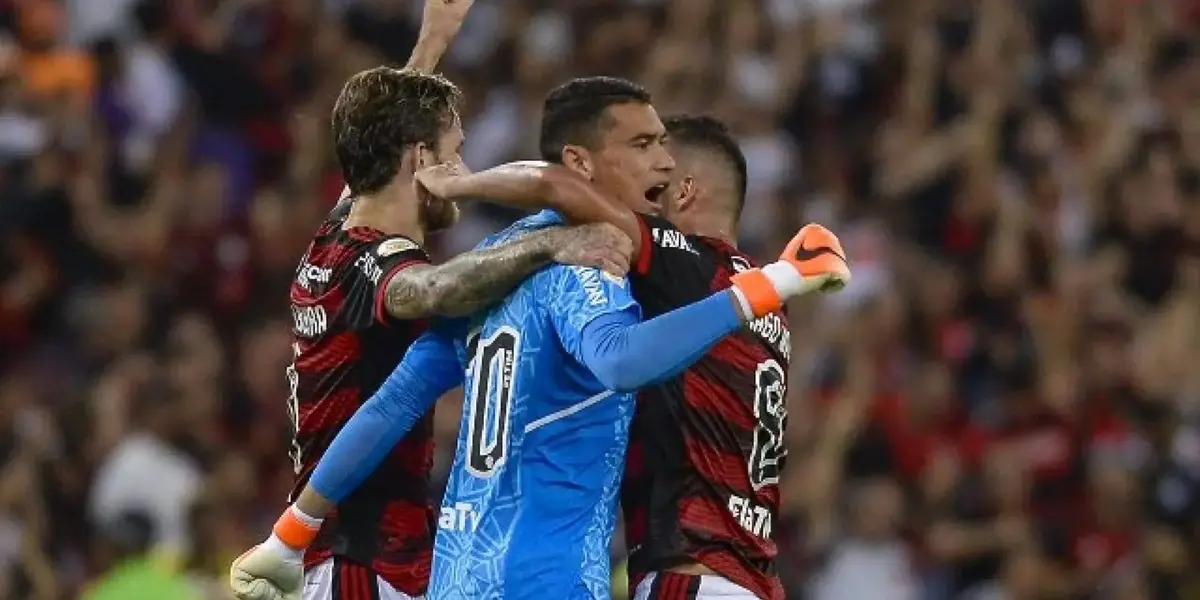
(274, 570)
(812, 261)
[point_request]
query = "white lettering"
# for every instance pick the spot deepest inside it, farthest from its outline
(670, 238)
(310, 321)
(460, 517)
(774, 332)
(308, 274)
(752, 517)
(370, 269)
(589, 279)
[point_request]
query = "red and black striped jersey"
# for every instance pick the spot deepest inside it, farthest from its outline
(706, 448)
(345, 346)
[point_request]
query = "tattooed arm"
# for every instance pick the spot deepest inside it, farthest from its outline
(474, 280)
(533, 185)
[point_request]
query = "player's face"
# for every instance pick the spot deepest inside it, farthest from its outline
(438, 214)
(632, 160)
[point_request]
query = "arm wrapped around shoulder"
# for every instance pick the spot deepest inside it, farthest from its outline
(625, 354)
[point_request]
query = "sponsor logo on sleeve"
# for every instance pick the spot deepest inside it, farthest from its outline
(396, 246)
(670, 238)
(740, 265)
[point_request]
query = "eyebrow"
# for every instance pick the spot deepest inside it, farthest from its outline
(649, 137)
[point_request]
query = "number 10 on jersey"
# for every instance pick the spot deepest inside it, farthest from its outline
(489, 404)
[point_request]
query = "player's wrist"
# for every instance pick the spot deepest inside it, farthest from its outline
(545, 244)
(295, 529)
(460, 187)
(756, 293)
(786, 279)
(763, 291)
(745, 310)
(281, 549)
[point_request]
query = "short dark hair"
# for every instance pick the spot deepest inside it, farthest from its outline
(709, 133)
(383, 111)
(573, 112)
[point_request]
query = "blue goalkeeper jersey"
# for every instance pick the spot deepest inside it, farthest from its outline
(530, 507)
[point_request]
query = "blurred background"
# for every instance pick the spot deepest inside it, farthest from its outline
(1004, 405)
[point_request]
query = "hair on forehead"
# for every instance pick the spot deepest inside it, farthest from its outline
(575, 112)
(709, 134)
(380, 113)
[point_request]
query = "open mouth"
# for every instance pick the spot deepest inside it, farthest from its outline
(654, 194)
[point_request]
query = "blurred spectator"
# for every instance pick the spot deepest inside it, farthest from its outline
(1005, 397)
(125, 543)
(146, 472)
(48, 70)
(871, 560)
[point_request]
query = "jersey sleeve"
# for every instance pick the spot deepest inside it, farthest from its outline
(382, 261)
(579, 295)
(429, 369)
(671, 266)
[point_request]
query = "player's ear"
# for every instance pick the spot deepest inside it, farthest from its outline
(410, 159)
(686, 198)
(423, 156)
(579, 160)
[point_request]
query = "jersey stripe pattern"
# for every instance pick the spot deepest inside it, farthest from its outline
(701, 482)
(345, 346)
(530, 506)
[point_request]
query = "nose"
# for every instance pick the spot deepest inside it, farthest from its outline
(663, 161)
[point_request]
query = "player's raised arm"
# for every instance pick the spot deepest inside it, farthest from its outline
(440, 23)
(625, 354)
(480, 278)
(533, 185)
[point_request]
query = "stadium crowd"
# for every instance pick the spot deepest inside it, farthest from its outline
(1003, 405)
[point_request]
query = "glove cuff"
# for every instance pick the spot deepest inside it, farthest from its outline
(788, 281)
(296, 529)
(755, 291)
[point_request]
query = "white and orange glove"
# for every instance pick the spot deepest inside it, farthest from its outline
(274, 569)
(812, 262)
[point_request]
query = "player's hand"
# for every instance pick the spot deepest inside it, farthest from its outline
(435, 192)
(812, 261)
(598, 245)
(439, 180)
(816, 253)
(268, 572)
(443, 18)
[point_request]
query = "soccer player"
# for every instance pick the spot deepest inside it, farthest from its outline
(358, 298)
(530, 508)
(701, 493)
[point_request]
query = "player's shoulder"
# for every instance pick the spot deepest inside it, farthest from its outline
(585, 275)
(653, 221)
(374, 251)
(392, 245)
(730, 253)
(522, 227)
(567, 289)
(361, 240)
(356, 256)
(664, 235)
